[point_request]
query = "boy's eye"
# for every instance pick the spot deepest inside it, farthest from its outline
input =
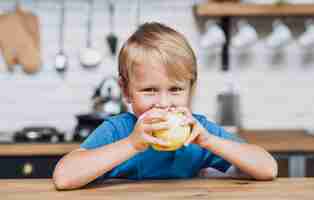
(176, 89)
(149, 90)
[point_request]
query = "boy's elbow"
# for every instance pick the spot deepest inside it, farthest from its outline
(270, 173)
(61, 182)
(269, 176)
(59, 185)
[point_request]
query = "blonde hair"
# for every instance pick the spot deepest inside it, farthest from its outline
(154, 43)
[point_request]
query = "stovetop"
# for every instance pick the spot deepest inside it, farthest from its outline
(34, 135)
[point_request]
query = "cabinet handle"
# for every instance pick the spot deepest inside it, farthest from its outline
(28, 169)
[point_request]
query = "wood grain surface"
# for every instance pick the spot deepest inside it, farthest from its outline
(36, 149)
(237, 9)
(282, 188)
(281, 141)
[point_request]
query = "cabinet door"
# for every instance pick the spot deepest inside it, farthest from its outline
(27, 166)
(283, 167)
(310, 167)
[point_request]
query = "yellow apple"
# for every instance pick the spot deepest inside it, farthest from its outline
(176, 135)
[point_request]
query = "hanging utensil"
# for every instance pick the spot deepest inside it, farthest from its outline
(112, 39)
(90, 57)
(138, 13)
(61, 60)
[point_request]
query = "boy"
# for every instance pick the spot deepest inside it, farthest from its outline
(157, 70)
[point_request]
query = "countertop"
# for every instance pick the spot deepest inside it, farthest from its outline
(281, 141)
(228, 189)
(36, 149)
(278, 141)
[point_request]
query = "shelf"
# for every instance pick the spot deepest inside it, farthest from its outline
(245, 10)
(226, 11)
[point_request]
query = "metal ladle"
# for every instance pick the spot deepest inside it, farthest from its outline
(90, 57)
(138, 13)
(112, 39)
(61, 60)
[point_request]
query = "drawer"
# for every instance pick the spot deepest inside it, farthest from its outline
(27, 166)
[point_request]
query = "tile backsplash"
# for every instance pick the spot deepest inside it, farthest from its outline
(276, 91)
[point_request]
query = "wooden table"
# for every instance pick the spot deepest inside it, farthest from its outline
(283, 188)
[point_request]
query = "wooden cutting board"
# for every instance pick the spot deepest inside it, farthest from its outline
(30, 24)
(8, 54)
(17, 43)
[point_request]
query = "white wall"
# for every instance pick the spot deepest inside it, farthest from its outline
(272, 95)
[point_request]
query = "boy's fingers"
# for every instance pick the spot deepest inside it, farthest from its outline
(152, 117)
(155, 119)
(194, 134)
(188, 121)
(172, 109)
(153, 140)
(184, 110)
(156, 126)
(142, 116)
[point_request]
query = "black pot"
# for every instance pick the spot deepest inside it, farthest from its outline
(86, 124)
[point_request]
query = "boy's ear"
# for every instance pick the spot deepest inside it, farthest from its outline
(192, 92)
(124, 89)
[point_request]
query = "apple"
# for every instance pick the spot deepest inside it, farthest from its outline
(176, 135)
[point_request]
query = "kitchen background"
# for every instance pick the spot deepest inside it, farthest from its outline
(276, 92)
(267, 90)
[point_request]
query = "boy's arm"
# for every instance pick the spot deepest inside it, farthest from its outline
(249, 159)
(232, 172)
(81, 166)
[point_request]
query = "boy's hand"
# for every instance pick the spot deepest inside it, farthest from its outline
(199, 134)
(152, 120)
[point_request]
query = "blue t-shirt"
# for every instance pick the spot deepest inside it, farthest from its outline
(150, 164)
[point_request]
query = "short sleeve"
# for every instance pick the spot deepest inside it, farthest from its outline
(102, 135)
(212, 160)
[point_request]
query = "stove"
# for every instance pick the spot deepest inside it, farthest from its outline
(42, 134)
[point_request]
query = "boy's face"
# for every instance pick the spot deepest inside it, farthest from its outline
(151, 87)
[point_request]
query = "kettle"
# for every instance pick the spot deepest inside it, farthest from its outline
(106, 101)
(107, 98)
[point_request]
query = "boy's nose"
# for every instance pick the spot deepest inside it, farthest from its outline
(163, 102)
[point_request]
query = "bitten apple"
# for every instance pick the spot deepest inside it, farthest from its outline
(176, 135)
